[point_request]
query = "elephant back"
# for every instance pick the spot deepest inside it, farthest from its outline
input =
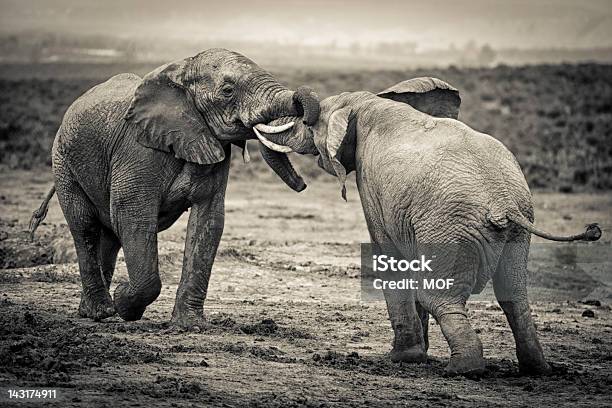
(99, 111)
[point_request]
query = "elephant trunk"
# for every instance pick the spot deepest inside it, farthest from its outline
(286, 106)
(279, 136)
(286, 103)
(307, 104)
(279, 162)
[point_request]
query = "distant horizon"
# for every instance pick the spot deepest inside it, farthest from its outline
(517, 24)
(369, 45)
(35, 46)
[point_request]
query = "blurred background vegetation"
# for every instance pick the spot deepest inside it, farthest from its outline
(557, 119)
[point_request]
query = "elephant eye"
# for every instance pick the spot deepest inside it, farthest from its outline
(227, 90)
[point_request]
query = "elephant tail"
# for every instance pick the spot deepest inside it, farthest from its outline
(592, 232)
(39, 215)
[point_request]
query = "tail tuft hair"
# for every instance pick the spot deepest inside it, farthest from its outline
(592, 233)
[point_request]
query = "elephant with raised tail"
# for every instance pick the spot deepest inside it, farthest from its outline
(132, 154)
(431, 185)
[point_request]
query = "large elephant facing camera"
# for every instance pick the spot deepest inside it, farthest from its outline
(430, 185)
(132, 155)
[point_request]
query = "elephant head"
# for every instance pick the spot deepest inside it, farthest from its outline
(193, 107)
(334, 134)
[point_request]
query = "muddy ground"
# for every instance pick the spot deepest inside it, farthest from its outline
(286, 324)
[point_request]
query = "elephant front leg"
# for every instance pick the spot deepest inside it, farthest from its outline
(204, 232)
(140, 249)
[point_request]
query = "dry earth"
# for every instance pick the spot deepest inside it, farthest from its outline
(286, 324)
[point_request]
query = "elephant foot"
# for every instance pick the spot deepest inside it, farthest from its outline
(468, 366)
(96, 308)
(129, 307)
(414, 354)
(535, 368)
(188, 320)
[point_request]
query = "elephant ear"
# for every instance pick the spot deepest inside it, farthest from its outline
(165, 111)
(338, 148)
(428, 95)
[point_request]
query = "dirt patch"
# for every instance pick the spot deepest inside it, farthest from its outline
(52, 245)
(47, 351)
(17, 251)
(164, 387)
(285, 322)
(33, 99)
(268, 327)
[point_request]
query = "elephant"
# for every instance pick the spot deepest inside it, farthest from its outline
(430, 185)
(133, 154)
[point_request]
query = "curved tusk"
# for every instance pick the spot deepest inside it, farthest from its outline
(274, 129)
(271, 145)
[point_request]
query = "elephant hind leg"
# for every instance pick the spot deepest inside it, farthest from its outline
(109, 248)
(424, 317)
(466, 349)
(447, 305)
(85, 228)
(510, 285)
(408, 343)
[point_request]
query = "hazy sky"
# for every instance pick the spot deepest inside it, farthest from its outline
(432, 24)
